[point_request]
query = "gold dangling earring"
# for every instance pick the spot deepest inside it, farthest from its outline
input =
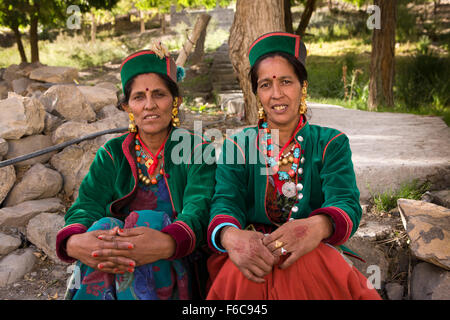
(175, 119)
(132, 126)
(303, 107)
(261, 113)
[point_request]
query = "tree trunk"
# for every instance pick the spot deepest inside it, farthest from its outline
(200, 25)
(288, 16)
(382, 64)
(251, 20)
(163, 23)
(93, 26)
(142, 21)
(18, 36)
(34, 19)
(199, 50)
(310, 6)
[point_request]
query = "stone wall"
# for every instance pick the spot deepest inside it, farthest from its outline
(42, 106)
(223, 16)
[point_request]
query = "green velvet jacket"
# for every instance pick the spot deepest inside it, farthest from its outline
(111, 185)
(328, 180)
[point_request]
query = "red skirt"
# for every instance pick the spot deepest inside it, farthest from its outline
(322, 274)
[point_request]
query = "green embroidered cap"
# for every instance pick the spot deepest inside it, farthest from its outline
(147, 61)
(276, 42)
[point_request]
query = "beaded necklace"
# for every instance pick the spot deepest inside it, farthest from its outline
(276, 163)
(144, 157)
(289, 188)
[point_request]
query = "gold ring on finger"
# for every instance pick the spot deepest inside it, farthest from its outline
(278, 244)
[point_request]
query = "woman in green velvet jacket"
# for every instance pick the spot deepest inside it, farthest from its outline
(286, 198)
(142, 209)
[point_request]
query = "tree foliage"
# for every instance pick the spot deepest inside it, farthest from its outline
(358, 3)
(22, 13)
(11, 15)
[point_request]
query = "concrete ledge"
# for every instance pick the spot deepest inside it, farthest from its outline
(390, 148)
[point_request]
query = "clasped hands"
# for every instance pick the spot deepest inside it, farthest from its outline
(255, 254)
(120, 250)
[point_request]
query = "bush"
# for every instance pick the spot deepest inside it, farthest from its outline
(423, 79)
(409, 190)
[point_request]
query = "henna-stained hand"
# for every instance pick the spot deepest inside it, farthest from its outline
(299, 237)
(247, 252)
(84, 246)
(148, 245)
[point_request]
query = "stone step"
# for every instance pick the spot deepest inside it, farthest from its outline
(225, 78)
(226, 87)
(221, 61)
(222, 71)
(224, 63)
(389, 149)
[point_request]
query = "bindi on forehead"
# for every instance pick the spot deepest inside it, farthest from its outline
(146, 89)
(274, 77)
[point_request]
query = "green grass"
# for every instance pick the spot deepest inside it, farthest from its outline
(387, 200)
(325, 73)
(74, 51)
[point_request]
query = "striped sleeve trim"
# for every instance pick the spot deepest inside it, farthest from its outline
(61, 239)
(342, 221)
(184, 237)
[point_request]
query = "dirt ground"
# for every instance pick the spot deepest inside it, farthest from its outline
(46, 281)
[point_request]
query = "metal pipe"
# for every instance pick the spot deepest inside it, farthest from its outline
(59, 146)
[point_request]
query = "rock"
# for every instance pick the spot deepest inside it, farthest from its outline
(199, 101)
(39, 87)
(3, 148)
(233, 104)
(376, 267)
(7, 179)
(4, 89)
(19, 215)
(428, 227)
(72, 130)
(14, 266)
(68, 102)
(118, 120)
(26, 68)
(13, 72)
(8, 244)
(20, 85)
(54, 74)
(42, 230)
(109, 111)
(21, 116)
(394, 291)
(108, 85)
(429, 282)
(74, 162)
(98, 97)
(373, 230)
(28, 145)
(39, 182)
(441, 198)
(427, 197)
(51, 123)
(69, 163)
